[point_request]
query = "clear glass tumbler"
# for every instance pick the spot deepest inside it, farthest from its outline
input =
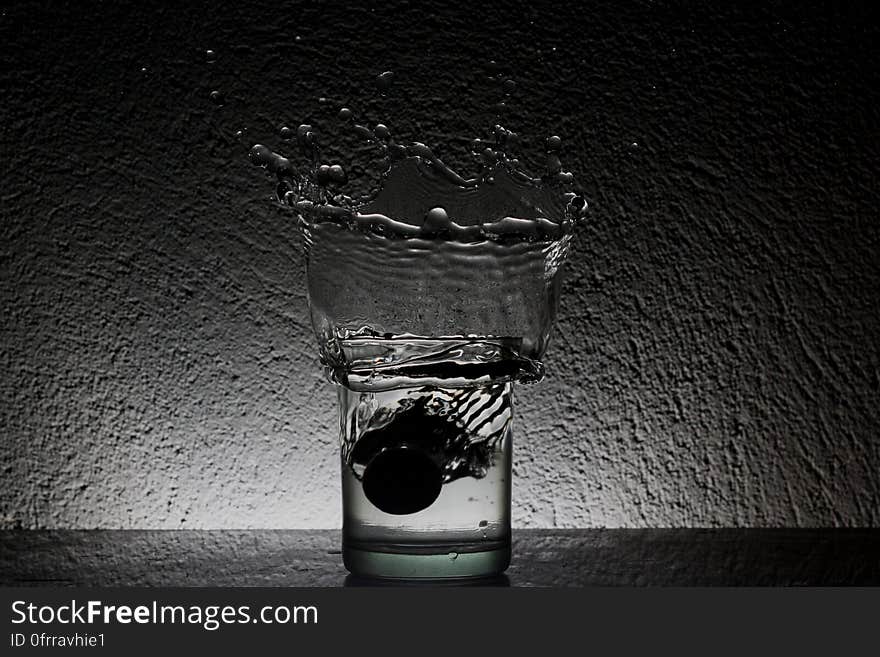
(426, 338)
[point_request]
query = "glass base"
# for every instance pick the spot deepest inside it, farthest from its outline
(410, 562)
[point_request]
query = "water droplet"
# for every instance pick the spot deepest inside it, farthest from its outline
(508, 86)
(242, 137)
(305, 136)
(634, 145)
(345, 113)
(322, 175)
(143, 69)
(453, 556)
(503, 136)
(384, 80)
(259, 154)
(553, 143)
(364, 132)
(210, 56)
(337, 174)
(264, 157)
(286, 133)
(217, 98)
(382, 132)
(436, 219)
(298, 38)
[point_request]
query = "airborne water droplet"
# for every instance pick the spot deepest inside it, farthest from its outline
(217, 98)
(384, 80)
(382, 132)
(337, 174)
(210, 56)
(345, 113)
(286, 133)
(305, 136)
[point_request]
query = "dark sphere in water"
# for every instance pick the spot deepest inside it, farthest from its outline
(402, 480)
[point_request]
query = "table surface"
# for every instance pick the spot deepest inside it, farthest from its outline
(556, 558)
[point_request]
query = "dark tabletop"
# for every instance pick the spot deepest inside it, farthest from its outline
(595, 557)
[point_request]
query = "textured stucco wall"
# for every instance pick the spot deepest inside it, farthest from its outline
(717, 359)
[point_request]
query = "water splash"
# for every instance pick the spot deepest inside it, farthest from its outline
(410, 192)
(419, 274)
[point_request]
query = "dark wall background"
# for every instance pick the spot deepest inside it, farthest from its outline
(716, 359)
